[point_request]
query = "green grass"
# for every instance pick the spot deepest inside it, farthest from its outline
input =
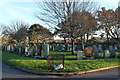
(55, 52)
(68, 55)
(117, 53)
(26, 62)
(70, 65)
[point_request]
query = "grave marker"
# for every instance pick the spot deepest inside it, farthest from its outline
(79, 55)
(106, 53)
(46, 50)
(88, 51)
(95, 50)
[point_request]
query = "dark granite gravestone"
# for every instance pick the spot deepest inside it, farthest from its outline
(95, 51)
(112, 49)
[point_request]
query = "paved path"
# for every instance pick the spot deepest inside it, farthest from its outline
(110, 73)
(10, 72)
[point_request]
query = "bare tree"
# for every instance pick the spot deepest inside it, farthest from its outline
(109, 22)
(17, 30)
(62, 16)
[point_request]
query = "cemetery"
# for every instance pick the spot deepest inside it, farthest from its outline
(54, 57)
(88, 38)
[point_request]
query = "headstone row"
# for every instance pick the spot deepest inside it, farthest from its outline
(93, 51)
(38, 50)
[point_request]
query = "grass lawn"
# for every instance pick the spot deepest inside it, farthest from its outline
(68, 55)
(70, 65)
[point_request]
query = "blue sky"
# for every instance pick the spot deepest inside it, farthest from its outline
(11, 10)
(18, 10)
(25, 10)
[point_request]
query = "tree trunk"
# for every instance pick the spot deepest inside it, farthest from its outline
(73, 46)
(66, 47)
(64, 39)
(107, 34)
(82, 43)
(87, 36)
(37, 40)
(107, 37)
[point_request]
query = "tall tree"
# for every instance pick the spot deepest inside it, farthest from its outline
(62, 16)
(38, 34)
(108, 20)
(83, 22)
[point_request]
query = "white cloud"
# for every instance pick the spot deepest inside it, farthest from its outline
(24, 8)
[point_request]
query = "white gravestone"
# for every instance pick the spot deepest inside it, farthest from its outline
(8, 48)
(70, 47)
(53, 47)
(26, 49)
(107, 53)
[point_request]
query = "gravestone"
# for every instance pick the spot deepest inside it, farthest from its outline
(66, 47)
(70, 48)
(75, 46)
(26, 50)
(56, 47)
(53, 47)
(8, 48)
(39, 50)
(12, 48)
(5, 47)
(112, 50)
(79, 55)
(46, 50)
(106, 53)
(99, 47)
(34, 50)
(60, 47)
(19, 48)
(23, 48)
(95, 51)
(88, 51)
(30, 50)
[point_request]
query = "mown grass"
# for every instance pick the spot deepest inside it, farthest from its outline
(70, 65)
(26, 62)
(68, 55)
